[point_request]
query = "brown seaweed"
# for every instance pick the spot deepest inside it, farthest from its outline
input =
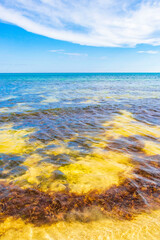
(124, 201)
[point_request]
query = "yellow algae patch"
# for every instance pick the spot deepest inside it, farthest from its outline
(129, 96)
(151, 148)
(112, 156)
(89, 101)
(143, 227)
(59, 150)
(93, 99)
(39, 175)
(124, 125)
(41, 170)
(99, 142)
(50, 100)
(6, 126)
(4, 109)
(32, 160)
(15, 141)
(97, 171)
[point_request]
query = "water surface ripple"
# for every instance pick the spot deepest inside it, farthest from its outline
(79, 147)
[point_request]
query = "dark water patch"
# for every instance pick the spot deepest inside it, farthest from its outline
(11, 166)
(60, 159)
(82, 144)
(148, 172)
(70, 120)
(2, 174)
(17, 171)
(58, 175)
(9, 161)
(147, 167)
(126, 144)
(147, 114)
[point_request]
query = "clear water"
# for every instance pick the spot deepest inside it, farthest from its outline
(43, 91)
(90, 143)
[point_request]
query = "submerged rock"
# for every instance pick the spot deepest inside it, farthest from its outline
(58, 175)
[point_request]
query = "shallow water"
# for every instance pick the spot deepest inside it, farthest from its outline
(79, 156)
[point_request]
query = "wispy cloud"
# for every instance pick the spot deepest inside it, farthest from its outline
(95, 23)
(61, 51)
(57, 51)
(148, 52)
(76, 54)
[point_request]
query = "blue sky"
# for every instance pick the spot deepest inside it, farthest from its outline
(79, 36)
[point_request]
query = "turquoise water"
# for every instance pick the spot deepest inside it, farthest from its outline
(74, 137)
(20, 92)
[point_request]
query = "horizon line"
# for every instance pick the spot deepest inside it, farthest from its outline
(68, 72)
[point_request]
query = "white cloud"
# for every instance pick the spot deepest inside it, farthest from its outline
(88, 22)
(148, 52)
(61, 51)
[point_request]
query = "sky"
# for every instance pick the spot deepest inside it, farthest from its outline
(79, 36)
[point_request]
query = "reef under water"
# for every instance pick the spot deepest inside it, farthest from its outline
(84, 172)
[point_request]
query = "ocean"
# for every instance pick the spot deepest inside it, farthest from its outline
(80, 156)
